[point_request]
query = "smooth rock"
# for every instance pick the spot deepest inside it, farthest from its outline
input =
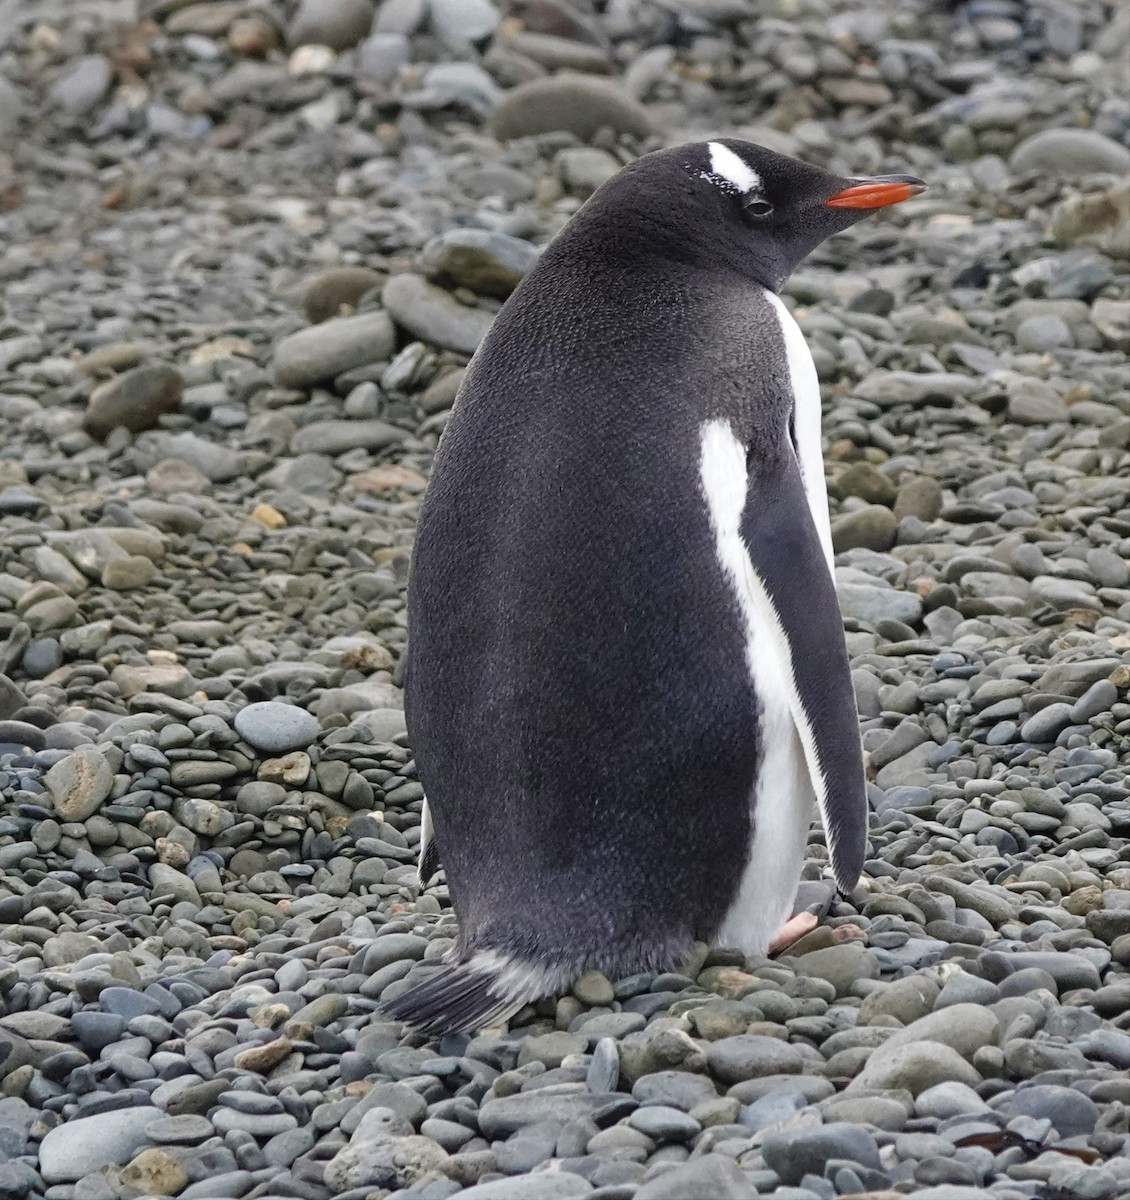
(84, 1145)
(870, 603)
(463, 24)
(794, 1153)
(582, 169)
(82, 85)
(1070, 153)
(155, 1172)
(125, 574)
(963, 1027)
(335, 292)
(504, 1115)
(380, 57)
(489, 263)
(1071, 1112)
(915, 1067)
(951, 1099)
(434, 315)
(544, 1185)
(377, 1158)
(340, 436)
(336, 345)
(574, 104)
(711, 1175)
(276, 728)
(338, 24)
(80, 783)
(1098, 219)
(134, 400)
(749, 1056)
(840, 965)
(871, 528)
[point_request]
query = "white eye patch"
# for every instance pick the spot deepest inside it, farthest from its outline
(728, 167)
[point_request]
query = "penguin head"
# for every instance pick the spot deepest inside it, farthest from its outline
(766, 212)
(737, 206)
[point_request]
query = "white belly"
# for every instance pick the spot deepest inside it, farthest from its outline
(781, 807)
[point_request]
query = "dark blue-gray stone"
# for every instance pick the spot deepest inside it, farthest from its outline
(548, 1185)
(795, 1153)
(1068, 970)
(42, 656)
(777, 1106)
(97, 1030)
(22, 734)
(712, 1176)
(276, 728)
(127, 1003)
(255, 1103)
(679, 1089)
(664, 1124)
(1072, 1113)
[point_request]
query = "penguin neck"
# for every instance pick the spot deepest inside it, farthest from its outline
(638, 242)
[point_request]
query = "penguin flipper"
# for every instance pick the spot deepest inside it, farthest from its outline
(794, 597)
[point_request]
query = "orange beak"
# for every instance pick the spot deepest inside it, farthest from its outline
(878, 192)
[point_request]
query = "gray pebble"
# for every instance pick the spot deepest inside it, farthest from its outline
(276, 728)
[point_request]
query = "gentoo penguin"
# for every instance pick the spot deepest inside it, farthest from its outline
(627, 687)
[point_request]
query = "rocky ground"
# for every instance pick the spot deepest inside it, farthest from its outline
(246, 250)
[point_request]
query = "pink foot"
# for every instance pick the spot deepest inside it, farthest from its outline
(792, 929)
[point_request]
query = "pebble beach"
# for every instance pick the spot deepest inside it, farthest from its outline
(247, 248)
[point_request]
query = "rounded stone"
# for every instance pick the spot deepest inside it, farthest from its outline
(335, 292)
(435, 315)
(253, 37)
(276, 728)
(1070, 153)
(841, 965)
(258, 798)
(135, 400)
(335, 346)
(155, 1172)
(750, 1056)
(950, 1099)
(82, 84)
(663, 1124)
(795, 1153)
(594, 989)
(1071, 1113)
(919, 497)
(487, 262)
(125, 574)
(338, 24)
(79, 783)
(917, 1067)
(42, 656)
(1042, 333)
(544, 1185)
(462, 24)
(873, 527)
(84, 1145)
(569, 103)
(582, 169)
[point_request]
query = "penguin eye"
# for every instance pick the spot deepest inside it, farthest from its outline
(755, 205)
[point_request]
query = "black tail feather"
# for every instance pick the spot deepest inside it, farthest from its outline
(459, 998)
